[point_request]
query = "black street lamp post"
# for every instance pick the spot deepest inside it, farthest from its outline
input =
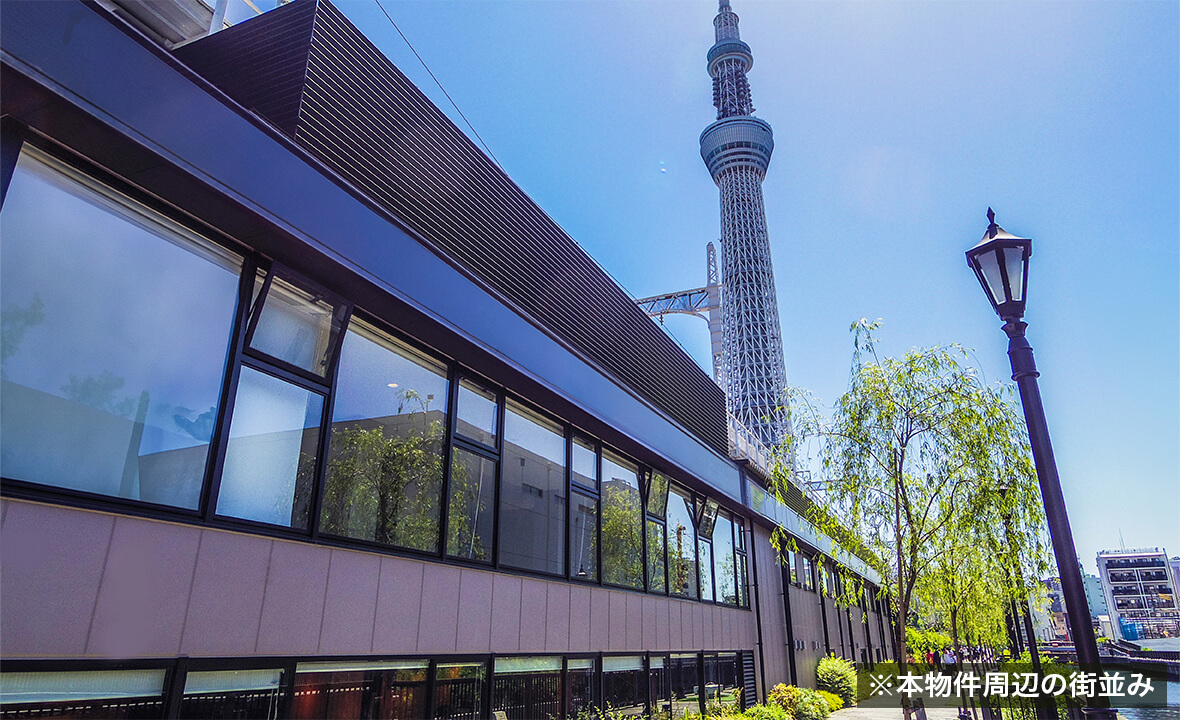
(1000, 263)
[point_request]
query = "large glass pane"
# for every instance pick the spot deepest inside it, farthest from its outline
(705, 553)
(297, 326)
(115, 327)
(622, 523)
(708, 518)
(525, 688)
(579, 687)
(807, 572)
(624, 689)
(727, 675)
(458, 691)
(659, 687)
(682, 545)
(585, 464)
(656, 554)
(365, 691)
(684, 673)
(657, 495)
(793, 566)
(232, 694)
(121, 694)
(724, 560)
(532, 493)
(469, 517)
(385, 457)
(584, 537)
(270, 461)
(477, 413)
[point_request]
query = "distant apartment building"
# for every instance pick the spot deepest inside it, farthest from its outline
(1140, 590)
(1096, 600)
(1051, 623)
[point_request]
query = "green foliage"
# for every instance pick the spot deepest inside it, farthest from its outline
(622, 535)
(912, 458)
(799, 703)
(387, 489)
(834, 701)
(921, 641)
(766, 712)
(837, 676)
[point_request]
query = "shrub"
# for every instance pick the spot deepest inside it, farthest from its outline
(800, 703)
(766, 712)
(837, 676)
(834, 701)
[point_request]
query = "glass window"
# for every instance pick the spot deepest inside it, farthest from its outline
(624, 689)
(469, 518)
(657, 495)
(684, 671)
(270, 461)
(579, 689)
(584, 537)
(385, 458)
(622, 523)
(682, 545)
(477, 413)
(739, 533)
(705, 552)
(122, 694)
(725, 560)
(525, 688)
(721, 679)
(115, 326)
(656, 554)
(659, 687)
(232, 694)
(458, 691)
(297, 327)
(532, 493)
(807, 572)
(793, 566)
(708, 518)
(585, 465)
(743, 597)
(393, 690)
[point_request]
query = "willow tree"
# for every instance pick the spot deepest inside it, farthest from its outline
(906, 455)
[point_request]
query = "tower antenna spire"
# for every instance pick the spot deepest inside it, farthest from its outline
(737, 149)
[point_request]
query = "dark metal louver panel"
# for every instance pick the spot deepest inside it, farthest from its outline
(310, 72)
(749, 682)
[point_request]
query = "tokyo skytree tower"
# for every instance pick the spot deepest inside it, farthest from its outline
(736, 149)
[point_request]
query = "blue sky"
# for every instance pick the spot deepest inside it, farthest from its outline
(896, 126)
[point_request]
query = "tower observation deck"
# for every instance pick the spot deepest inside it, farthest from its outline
(737, 149)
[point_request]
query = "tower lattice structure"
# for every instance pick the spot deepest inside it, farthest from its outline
(737, 149)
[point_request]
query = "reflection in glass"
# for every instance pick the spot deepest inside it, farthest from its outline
(705, 553)
(585, 464)
(469, 517)
(477, 413)
(532, 493)
(724, 559)
(622, 523)
(232, 694)
(682, 545)
(624, 689)
(385, 458)
(116, 323)
(393, 690)
(659, 685)
(683, 671)
(657, 495)
(656, 554)
(270, 460)
(120, 694)
(579, 688)
(807, 572)
(584, 537)
(527, 687)
(297, 327)
(458, 691)
(743, 598)
(708, 518)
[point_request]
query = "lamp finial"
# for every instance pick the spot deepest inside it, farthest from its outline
(992, 228)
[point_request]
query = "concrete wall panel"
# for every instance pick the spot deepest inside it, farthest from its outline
(557, 617)
(474, 632)
(579, 629)
(51, 561)
(351, 604)
(533, 603)
(439, 618)
(293, 607)
(219, 622)
(506, 591)
(399, 603)
(617, 632)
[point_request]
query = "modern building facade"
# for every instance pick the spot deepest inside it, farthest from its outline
(737, 148)
(292, 425)
(1140, 592)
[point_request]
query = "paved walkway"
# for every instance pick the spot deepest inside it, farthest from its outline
(877, 713)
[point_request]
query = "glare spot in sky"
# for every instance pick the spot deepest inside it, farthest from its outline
(662, 168)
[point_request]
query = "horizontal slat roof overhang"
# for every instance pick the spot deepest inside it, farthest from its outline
(133, 107)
